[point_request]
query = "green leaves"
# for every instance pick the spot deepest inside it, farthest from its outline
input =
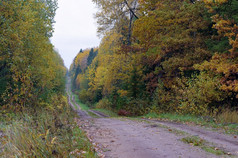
(35, 69)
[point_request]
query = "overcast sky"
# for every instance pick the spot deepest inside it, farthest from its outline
(75, 28)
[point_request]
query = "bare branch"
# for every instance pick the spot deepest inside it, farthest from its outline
(131, 10)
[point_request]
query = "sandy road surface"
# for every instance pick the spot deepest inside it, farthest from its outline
(228, 143)
(124, 138)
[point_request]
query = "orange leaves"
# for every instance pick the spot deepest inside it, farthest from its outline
(219, 64)
(225, 25)
(213, 3)
(230, 86)
(222, 64)
(227, 29)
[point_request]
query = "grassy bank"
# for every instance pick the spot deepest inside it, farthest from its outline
(107, 112)
(82, 105)
(43, 133)
(222, 121)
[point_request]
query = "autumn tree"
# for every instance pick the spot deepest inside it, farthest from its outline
(78, 69)
(34, 70)
(166, 56)
(116, 15)
(224, 62)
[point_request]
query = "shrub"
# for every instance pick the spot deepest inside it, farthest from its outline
(164, 99)
(137, 107)
(104, 104)
(84, 96)
(199, 94)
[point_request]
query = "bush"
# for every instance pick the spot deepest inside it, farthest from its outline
(104, 104)
(199, 94)
(137, 107)
(164, 99)
(84, 96)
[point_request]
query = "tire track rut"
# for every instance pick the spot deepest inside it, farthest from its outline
(125, 138)
(83, 114)
(225, 142)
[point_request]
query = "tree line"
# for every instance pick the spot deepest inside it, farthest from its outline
(163, 56)
(31, 71)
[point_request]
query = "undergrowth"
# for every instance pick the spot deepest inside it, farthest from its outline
(226, 120)
(42, 133)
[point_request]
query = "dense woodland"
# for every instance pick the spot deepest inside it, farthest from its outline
(161, 56)
(157, 56)
(35, 119)
(32, 73)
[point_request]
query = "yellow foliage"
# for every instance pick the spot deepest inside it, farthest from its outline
(122, 92)
(34, 67)
(81, 59)
(224, 64)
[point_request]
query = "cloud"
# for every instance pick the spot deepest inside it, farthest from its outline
(75, 28)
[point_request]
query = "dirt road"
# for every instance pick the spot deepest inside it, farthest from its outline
(124, 138)
(221, 141)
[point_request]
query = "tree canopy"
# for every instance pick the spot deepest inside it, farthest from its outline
(31, 70)
(169, 56)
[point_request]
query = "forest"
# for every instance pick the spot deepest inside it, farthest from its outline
(161, 56)
(32, 72)
(175, 57)
(35, 118)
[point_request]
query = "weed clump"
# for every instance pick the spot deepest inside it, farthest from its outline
(44, 132)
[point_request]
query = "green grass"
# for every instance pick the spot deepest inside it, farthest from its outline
(214, 150)
(43, 133)
(82, 105)
(76, 98)
(193, 140)
(190, 119)
(176, 117)
(71, 94)
(197, 141)
(92, 114)
(107, 112)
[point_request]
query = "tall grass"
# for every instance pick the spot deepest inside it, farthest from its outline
(44, 133)
(227, 116)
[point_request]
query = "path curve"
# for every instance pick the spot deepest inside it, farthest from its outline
(124, 138)
(227, 143)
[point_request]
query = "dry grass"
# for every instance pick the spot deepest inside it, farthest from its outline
(228, 116)
(45, 133)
